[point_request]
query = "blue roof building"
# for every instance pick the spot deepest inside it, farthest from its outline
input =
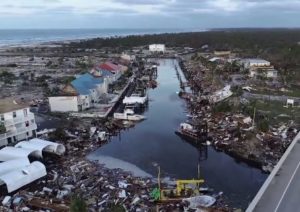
(85, 83)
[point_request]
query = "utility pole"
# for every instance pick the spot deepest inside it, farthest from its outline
(254, 113)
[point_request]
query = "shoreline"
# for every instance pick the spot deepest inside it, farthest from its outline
(61, 41)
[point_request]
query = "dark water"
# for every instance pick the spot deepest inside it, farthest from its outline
(33, 36)
(154, 141)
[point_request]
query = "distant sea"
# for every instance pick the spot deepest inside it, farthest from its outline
(12, 37)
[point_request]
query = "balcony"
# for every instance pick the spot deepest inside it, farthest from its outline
(18, 131)
(18, 120)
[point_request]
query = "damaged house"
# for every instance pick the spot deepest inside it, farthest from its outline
(109, 70)
(259, 67)
(85, 91)
(81, 94)
(16, 121)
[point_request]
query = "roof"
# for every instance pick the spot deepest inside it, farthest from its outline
(12, 165)
(85, 83)
(10, 104)
(110, 66)
(23, 176)
(40, 145)
(256, 60)
(11, 153)
(104, 72)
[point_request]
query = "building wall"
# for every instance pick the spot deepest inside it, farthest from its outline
(20, 125)
(63, 103)
(157, 48)
(267, 73)
(85, 102)
(103, 88)
(272, 74)
(253, 64)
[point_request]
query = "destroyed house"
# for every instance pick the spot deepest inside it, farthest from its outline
(16, 121)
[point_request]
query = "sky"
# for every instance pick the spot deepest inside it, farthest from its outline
(188, 14)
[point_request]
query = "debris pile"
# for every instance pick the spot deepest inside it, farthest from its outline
(229, 130)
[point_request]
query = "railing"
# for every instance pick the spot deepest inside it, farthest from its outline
(18, 131)
(17, 120)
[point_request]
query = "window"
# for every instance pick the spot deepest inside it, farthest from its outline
(25, 112)
(27, 123)
(9, 140)
(2, 117)
(14, 114)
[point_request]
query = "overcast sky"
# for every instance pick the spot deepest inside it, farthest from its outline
(201, 14)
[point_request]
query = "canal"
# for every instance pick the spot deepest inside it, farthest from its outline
(153, 141)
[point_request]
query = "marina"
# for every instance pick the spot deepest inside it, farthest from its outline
(153, 143)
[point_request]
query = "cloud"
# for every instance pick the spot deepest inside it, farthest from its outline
(146, 6)
(181, 11)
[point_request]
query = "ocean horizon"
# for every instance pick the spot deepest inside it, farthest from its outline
(23, 37)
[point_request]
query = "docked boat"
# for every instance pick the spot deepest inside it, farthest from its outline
(129, 116)
(190, 133)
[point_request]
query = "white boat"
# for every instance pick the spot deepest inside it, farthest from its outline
(129, 116)
(134, 100)
(200, 201)
(135, 117)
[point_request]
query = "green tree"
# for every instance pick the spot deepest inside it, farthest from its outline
(263, 125)
(78, 205)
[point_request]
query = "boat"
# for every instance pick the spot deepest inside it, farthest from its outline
(188, 132)
(129, 116)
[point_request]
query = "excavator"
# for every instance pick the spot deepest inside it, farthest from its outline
(184, 188)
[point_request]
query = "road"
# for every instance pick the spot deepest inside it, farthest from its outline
(281, 191)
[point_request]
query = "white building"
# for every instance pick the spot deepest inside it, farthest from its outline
(17, 122)
(264, 72)
(65, 103)
(253, 63)
(157, 48)
(128, 57)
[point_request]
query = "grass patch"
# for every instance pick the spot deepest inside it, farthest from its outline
(276, 113)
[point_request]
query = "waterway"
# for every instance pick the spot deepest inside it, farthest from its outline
(153, 141)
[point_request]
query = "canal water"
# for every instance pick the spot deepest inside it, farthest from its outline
(153, 141)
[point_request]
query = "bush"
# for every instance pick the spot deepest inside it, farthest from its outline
(263, 125)
(58, 134)
(222, 107)
(78, 205)
(237, 90)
